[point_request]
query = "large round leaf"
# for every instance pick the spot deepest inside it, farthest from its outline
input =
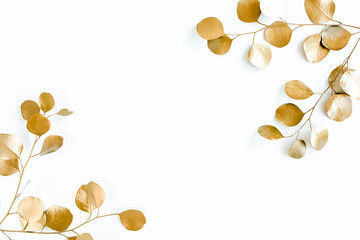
(132, 219)
(289, 114)
(210, 28)
(298, 149)
(58, 218)
(38, 124)
(28, 108)
(220, 45)
(248, 10)
(320, 11)
(339, 107)
(335, 37)
(259, 55)
(313, 49)
(278, 34)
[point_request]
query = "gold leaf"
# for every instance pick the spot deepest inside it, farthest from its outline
(278, 34)
(38, 124)
(96, 194)
(314, 51)
(335, 37)
(8, 167)
(51, 144)
(271, 8)
(72, 238)
(298, 90)
(58, 218)
(289, 114)
(270, 132)
(298, 149)
(82, 200)
(319, 137)
(46, 102)
(248, 10)
(335, 77)
(220, 45)
(339, 107)
(28, 108)
(350, 82)
(210, 28)
(259, 55)
(320, 11)
(30, 210)
(64, 112)
(10, 146)
(132, 219)
(84, 236)
(33, 226)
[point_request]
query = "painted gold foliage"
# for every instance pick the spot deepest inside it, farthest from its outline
(344, 82)
(33, 215)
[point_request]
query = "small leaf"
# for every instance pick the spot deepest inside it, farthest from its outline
(82, 200)
(28, 108)
(84, 236)
(314, 51)
(320, 11)
(220, 45)
(51, 144)
(64, 112)
(335, 77)
(30, 210)
(10, 146)
(298, 90)
(38, 124)
(298, 149)
(46, 102)
(36, 226)
(271, 8)
(319, 137)
(339, 107)
(289, 114)
(58, 218)
(335, 37)
(278, 34)
(259, 55)
(132, 219)
(210, 28)
(350, 83)
(9, 167)
(270, 132)
(248, 10)
(96, 194)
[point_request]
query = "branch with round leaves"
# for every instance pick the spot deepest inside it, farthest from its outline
(30, 210)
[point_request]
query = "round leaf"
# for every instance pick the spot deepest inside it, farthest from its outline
(278, 34)
(132, 219)
(289, 114)
(51, 144)
(335, 77)
(335, 37)
(320, 11)
(298, 149)
(84, 236)
(339, 107)
(270, 132)
(259, 55)
(28, 108)
(82, 200)
(96, 194)
(314, 51)
(46, 102)
(319, 137)
(298, 90)
(248, 10)
(220, 45)
(350, 82)
(58, 218)
(210, 28)
(9, 167)
(33, 226)
(38, 124)
(271, 8)
(64, 112)
(30, 209)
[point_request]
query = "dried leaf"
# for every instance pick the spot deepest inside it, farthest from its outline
(350, 82)
(132, 219)
(84, 236)
(33, 226)
(335, 77)
(339, 107)
(320, 11)
(9, 167)
(210, 28)
(260, 55)
(46, 102)
(314, 51)
(298, 90)
(51, 144)
(96, 194)
(38, 124)
(82, 200)
(270, 132)
(289, 114)
(271, 8)
(248, 10)
(278, 34)
(10, 146)
(319, 137)
(58, 218)
(220, 45)
(298, 149)
(64, 112)
(30, 210)
(335, 37)
(28, 108)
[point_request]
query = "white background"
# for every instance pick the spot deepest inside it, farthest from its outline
(167, 127)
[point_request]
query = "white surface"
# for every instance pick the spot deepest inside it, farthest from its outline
(165, 126)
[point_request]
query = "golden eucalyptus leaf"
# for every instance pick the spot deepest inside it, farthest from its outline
(350, 83)
(132, 219)
(96, 194)
(335, 77)
(84, 236)
(36, 226)
(259, 55)
(278, 34)
(320, 11)
(58, 218)
(38, 124)
(289, 114)
(335, 37)
(30, 209)
(82, 200)
(28, 108)
(210, 28)
(10, 146)
(313, 49)
(248, 10)
(298, 90)
(319, 137)
(220, 45)
(51, 144)
(9, 167)
(46, 102)
(64, 112)
(271, 8)
(270, 132)
(298, 149)
(339, 107)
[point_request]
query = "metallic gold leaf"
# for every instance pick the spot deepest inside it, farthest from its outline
(82, 200)
(339, 107)
(51, 144)
(270, 132)
(278, 34)
(9, 167)
(298, 90)
(289, 114)
(96, 194)
(335, 37)
(46, 102)
(298, 149)
(84, 236)
(210, 28)
(320, 11)
(72, 238)
(33, 226)
(350, 82)
(10, 146)
(335, 77)
(259, 55)
(132, 219)
(64, 112)
(58, 218)
(220, 45)
(248, 10)
(314, 51)
(271, 8)
(28, 108)
(30, 209)
(319, 137)
(38, 124)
